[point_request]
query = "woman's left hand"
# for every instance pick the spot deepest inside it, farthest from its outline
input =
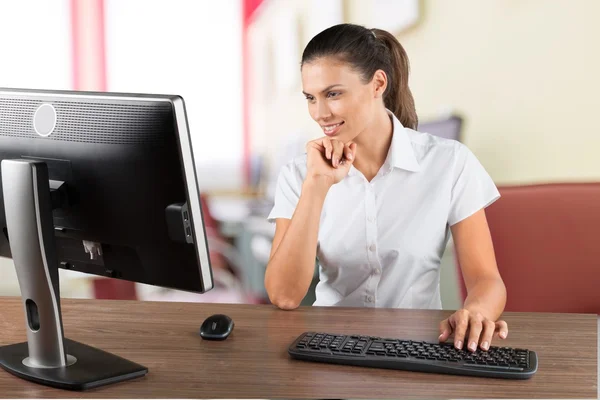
(480, 330)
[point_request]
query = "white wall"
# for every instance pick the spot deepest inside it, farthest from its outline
(35, 44)
(193, 49)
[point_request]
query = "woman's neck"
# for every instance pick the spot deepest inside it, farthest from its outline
(373, 145)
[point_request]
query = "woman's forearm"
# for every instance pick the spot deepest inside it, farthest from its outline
(488, 297)
(291, 268)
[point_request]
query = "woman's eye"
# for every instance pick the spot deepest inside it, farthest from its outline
(309, 98)
(333, 94)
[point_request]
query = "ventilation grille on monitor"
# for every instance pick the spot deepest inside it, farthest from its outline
(90, 122)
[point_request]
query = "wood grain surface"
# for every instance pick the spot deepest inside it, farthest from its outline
(253, 362)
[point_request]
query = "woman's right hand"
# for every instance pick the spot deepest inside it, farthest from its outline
(330, 159)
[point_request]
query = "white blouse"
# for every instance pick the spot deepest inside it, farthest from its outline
(380, 243)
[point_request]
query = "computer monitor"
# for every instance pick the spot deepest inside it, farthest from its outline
(101, 183)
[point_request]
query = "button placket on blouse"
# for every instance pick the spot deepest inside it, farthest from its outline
(371, 245)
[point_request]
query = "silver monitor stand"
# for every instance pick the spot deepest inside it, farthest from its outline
(47, 357)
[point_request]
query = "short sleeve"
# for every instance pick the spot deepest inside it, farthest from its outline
(287, 193)
(473, 188)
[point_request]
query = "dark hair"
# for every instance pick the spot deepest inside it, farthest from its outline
(368, 50)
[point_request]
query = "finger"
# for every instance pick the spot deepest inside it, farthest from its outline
(348, 153)
(353, 147)
(462, 323)
(338, 152)
(445, 330)
(328, 147)
(315, 144)
(475, 328)
(487, 335)
(502, 328)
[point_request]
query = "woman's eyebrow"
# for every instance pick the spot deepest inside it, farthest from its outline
(324, 90)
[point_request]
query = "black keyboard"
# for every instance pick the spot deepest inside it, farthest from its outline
(410, 355)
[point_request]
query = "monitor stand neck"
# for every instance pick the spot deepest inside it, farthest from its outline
(47, 357)
(31, 234)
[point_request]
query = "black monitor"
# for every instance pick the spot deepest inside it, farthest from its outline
(101, 183)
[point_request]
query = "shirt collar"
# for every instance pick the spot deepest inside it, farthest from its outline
(401, 153)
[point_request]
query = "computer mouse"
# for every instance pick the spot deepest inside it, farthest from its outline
(216, 327)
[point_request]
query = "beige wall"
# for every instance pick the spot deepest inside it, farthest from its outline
(525, 74)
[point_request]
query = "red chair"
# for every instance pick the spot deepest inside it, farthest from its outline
(547, 244)
(113, 289)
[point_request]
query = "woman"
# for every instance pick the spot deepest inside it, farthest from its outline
(375, 201)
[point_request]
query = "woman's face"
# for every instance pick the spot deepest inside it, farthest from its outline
(338, 100)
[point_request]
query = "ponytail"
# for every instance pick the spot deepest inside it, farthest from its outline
(398, 97)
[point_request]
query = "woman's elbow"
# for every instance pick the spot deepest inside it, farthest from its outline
(280, 299)
(282, 296)
(285, 303)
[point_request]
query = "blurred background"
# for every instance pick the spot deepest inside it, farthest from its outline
(515, 80)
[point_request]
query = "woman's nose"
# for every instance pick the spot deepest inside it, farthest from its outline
(322, 111)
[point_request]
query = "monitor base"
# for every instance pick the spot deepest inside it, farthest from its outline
(92, 369)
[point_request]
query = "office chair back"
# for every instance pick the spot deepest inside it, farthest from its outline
(449, 128)
(547, 244)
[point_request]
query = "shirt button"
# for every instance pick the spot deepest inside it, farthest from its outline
(370, 299)
(372, 247)
(371, 219)
(377, 271)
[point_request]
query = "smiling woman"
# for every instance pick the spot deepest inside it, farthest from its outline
(368, 53)
(375, 201)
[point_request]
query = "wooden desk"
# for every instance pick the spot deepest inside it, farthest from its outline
(253, 361)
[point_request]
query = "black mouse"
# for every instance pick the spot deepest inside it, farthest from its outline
(216, 327)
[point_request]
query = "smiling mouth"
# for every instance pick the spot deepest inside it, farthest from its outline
(332, 129)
